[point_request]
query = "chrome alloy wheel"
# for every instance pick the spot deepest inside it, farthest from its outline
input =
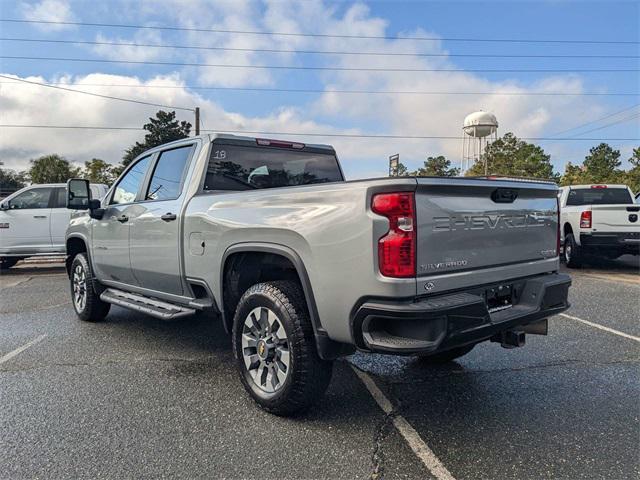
(79, 284)
(265, 349)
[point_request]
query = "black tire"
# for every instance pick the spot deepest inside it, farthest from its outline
(7, 262)
(446, 356)
(92, 309)
(572, 252)
(307, 375)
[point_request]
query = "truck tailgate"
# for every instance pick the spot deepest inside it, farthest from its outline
(615, 218)
(472, 224)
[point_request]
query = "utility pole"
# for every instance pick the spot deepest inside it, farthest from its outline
(197, 121)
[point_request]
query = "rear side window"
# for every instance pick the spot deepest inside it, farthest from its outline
(235, 167)
(167, 176)
(33, 198)
(599, 196)
(127, 188)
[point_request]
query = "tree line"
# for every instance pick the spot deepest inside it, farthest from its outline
(511, 156)
(57, 169)
(508, 155)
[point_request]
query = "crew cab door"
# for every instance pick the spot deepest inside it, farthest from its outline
(59, 218)
(111, 233)
(155, 231)
(25, 222)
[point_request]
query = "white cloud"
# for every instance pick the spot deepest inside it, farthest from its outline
(419, 115)
(50, 11)
(239, 15)
(33, 105)
(23, 104)
(131, 52)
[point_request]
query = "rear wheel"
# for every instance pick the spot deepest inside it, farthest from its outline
(7, 262)
(275, 349)
(86, 301)
(446, 356)
(572, 252)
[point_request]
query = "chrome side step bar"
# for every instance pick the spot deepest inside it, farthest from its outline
(150, 306)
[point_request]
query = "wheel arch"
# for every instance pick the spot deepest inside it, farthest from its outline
(282, 258)
(566, 229)
(76, 244)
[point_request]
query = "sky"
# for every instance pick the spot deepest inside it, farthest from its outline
(426, 35)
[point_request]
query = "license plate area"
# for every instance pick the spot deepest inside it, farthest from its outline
(499, 297)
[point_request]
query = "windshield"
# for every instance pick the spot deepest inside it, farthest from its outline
(599, 196)
(235, 167)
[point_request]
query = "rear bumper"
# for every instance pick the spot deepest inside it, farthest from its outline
(438, 323)
(624, 241)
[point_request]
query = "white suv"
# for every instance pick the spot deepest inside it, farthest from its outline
(33, 221)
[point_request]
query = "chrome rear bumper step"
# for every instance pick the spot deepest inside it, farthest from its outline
(150, 306)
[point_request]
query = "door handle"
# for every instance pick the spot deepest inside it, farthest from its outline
(39, 216)
(169, 217)
(123, 218)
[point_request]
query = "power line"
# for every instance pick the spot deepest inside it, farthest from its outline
(368, 92)
(597, 119)
(341, 69)
(338, 135)
(109, 97)
(322, 35)
(611, 124)
(319, 52)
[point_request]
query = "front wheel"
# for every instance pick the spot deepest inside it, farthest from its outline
(275, 349)
(86, 301)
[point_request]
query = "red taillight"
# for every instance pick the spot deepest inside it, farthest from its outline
(397, 248)
(585, 219)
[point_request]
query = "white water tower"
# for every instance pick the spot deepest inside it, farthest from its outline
(480, 128)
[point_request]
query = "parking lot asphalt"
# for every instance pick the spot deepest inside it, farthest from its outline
(137, 397)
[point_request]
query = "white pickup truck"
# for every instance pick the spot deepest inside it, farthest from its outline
(598, 220)
(34, 220)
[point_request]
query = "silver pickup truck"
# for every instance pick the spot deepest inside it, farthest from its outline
(304, 267)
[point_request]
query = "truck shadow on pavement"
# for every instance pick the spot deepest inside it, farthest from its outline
(34, 269)
(625, 264)
(198, 348)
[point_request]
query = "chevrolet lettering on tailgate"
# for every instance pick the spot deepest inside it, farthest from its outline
(489, 222)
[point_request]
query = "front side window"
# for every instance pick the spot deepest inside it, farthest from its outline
(127, 188)
(167, 176)
(236, 167)
(34, 198)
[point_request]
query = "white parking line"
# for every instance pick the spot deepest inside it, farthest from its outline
(601, 327)
(421, 449)
(13, 353)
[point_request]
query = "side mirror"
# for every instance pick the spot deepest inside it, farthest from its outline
(78, 194)
(5, 206)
